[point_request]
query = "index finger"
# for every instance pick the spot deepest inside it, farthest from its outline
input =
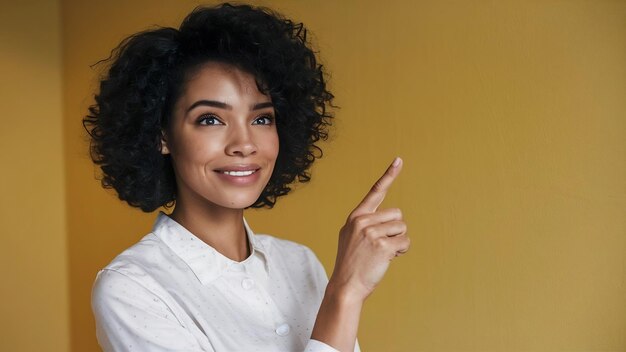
(377, 193)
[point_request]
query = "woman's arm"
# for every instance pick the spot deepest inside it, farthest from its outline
(337, 321)
(368, 242)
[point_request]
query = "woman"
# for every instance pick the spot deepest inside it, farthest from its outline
(212, 118)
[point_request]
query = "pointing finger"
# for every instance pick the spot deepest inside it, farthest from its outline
(377, 193)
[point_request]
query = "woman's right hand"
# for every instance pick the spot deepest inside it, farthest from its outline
(368, 241)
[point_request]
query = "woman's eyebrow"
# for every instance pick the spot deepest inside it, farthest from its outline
(263, 105)
(213, 103)
(220, 105)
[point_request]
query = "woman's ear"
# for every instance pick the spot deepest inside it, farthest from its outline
(164, 148)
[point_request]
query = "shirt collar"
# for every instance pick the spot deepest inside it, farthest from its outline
(205, 261)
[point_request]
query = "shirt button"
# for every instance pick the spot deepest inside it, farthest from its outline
(247, 284)
(283, 330)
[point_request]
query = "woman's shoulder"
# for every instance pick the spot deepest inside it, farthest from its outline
(143, 254)
(141, 267)
(142, 264)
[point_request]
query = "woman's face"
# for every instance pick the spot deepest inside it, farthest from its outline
(222, 138)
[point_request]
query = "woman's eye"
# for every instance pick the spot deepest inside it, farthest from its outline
(264, 120)
(208, 120)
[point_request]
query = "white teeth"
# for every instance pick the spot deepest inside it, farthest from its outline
(239, 173)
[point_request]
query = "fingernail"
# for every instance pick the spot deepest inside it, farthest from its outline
(396, 162)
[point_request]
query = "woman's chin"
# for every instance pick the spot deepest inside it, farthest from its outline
(240, 203)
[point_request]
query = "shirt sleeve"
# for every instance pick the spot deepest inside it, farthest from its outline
(131, 318)
(318, 346)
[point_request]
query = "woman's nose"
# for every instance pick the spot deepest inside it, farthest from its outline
(240, 142)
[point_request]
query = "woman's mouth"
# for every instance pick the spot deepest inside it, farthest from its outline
(238, 173)
(239, 177)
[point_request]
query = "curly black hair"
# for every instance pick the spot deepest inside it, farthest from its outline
(146, 77)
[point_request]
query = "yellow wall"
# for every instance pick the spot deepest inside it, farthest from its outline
(34, 307)
(510, 116)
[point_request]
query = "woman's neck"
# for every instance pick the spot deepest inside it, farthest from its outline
(219, 227)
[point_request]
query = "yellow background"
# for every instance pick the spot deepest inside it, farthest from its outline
(510, 117)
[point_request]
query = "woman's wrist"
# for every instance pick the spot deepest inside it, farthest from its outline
(337, 321)
(342, 300)
(347, 292)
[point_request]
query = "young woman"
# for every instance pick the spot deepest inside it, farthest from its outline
(212, 118)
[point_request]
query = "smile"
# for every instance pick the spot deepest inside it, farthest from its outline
(239, 173)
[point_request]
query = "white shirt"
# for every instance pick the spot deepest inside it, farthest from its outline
(173, 292)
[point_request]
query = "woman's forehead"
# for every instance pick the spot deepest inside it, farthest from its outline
(222, 81)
